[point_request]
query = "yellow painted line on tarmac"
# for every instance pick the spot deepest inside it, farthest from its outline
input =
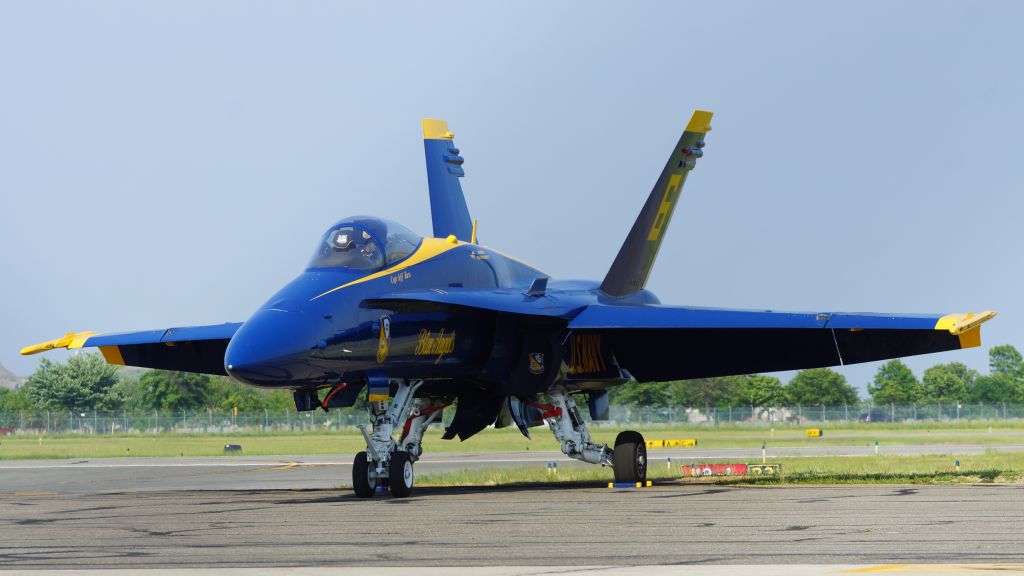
(938, 568)
(287, 466)
(293, 465)
(870, 569)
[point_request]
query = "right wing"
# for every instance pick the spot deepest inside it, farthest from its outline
(187, 349)
(661, 343)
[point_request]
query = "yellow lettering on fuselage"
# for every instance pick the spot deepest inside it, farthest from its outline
(438, 345)
(585, 354)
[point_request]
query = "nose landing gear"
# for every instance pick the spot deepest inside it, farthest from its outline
(385, 461)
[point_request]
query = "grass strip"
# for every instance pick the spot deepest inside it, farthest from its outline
(349, 441)
(990, 467)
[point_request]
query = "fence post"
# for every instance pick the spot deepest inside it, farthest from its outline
(892, 407)
(846, 412)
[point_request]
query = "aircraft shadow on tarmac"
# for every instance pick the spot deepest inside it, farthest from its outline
(426, 491)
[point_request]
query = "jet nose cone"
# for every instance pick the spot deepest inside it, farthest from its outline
(271, 348)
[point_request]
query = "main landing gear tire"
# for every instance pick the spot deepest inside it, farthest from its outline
(630, 458)
(400, 474)
(364, 477)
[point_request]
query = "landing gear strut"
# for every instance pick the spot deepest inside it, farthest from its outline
(385, 461)
(629, 458)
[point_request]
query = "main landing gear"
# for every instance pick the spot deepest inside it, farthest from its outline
(385, 461)
(629, 458)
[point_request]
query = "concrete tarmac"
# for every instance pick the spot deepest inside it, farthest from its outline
(291, 511)
(549, 527)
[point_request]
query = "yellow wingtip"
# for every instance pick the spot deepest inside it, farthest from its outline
(434, 129)
(71, 340)
(957, 324)
(700, 121)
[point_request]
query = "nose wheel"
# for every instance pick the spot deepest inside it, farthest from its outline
(364, 476)
(400, 474)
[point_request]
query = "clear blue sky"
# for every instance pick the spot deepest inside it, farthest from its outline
(174, 163)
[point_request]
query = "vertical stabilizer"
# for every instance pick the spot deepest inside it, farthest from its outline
(448, 209)
(633, 264)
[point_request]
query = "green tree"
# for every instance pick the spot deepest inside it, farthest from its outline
(1005, 383)
(1007, 360)
(994, 388)
(80, 384)
(655, 394)
(14, 400)
(764, 391)
(708, 392)
(895, 384)
(225, 394)
(818, 386)
(166, 390)
(127, 394)
(945, 383)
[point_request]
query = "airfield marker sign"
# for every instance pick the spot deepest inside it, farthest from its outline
(676, 443)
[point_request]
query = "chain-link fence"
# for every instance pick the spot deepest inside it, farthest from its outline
(862, 412)
(188, 422)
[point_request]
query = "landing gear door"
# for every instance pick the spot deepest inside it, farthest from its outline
(537, 366)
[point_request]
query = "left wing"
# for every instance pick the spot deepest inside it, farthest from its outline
(187, 349)
(659, 343)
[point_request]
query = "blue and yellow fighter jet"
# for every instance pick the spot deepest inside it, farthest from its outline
(421, 323)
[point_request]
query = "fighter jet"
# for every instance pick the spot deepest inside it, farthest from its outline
(423, 323)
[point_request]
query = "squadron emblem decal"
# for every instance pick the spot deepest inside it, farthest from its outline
(384, 341)
(536, 363)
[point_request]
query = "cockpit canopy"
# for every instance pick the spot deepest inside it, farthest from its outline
(364, 243)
